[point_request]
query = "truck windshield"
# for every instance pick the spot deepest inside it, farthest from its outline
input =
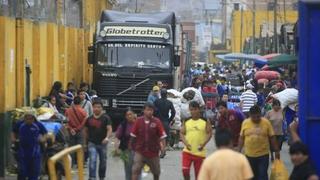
(134, 55)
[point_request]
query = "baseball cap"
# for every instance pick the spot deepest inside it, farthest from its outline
(250, 86)
(155, 88)
(30, 112)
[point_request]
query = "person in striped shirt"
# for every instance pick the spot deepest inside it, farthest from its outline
(248, 99)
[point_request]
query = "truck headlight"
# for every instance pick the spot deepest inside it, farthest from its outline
(105, 102)
(166, 36)
(103, 33)
(114, 103)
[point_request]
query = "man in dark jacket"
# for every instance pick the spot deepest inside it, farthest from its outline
(163, 108)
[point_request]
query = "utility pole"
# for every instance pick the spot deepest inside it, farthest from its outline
(136, 6)
(241, 29)
(224, 32)
(284, 11)
(275, 38)
(254, 28)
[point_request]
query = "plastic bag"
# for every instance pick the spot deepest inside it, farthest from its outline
(287, 97)
(279, 171)
(185, 112)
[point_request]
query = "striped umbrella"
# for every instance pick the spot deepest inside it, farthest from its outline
(270, 56)
(249, 57)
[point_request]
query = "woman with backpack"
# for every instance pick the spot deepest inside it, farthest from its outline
(123, 139)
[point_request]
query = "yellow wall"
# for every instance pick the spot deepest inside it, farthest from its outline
(54, 52)
(262, 17)
(7, 63)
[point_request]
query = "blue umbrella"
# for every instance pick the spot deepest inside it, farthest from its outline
(235, 55)
(259, 61)
(241, 56)
(223, 58)
(250, 57)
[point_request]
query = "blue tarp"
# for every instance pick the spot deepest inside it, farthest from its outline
(309, 97)
(53, 127)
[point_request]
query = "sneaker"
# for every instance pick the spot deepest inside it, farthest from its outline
(169, 148)
(176, 147)
(144, 174)
(162, 155)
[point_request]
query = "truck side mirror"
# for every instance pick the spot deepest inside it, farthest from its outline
(176, 61)
(91, 55)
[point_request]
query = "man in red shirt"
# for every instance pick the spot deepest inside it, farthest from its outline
(231, 120)
(148, 139)
(76, 120)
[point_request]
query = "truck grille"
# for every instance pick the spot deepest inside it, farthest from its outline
(110, 87)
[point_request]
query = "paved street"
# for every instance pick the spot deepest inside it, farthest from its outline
(171, 165)
(67, 61)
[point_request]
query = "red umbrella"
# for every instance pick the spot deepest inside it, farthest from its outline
(270, 56)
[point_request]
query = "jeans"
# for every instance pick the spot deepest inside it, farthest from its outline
(259, 166)
(95, 151)
(166, 126)
(75, 140)
(128, 164)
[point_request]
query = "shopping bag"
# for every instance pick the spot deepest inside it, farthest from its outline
(279, 171)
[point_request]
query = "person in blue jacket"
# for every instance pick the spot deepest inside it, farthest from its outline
(29, 133)
(154, 94)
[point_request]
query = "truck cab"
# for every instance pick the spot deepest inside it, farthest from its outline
(130, 53)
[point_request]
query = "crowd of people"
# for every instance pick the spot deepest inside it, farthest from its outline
(248, 123)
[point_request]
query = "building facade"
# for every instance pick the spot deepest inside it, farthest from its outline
(242, 26)
(51, 41)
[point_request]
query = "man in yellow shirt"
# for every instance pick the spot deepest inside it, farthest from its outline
(255, 135)
(225, 163)
(195, 134)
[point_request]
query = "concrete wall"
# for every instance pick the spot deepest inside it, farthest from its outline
(262, 17)
(53, 50)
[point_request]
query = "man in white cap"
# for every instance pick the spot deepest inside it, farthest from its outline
(248, 99)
